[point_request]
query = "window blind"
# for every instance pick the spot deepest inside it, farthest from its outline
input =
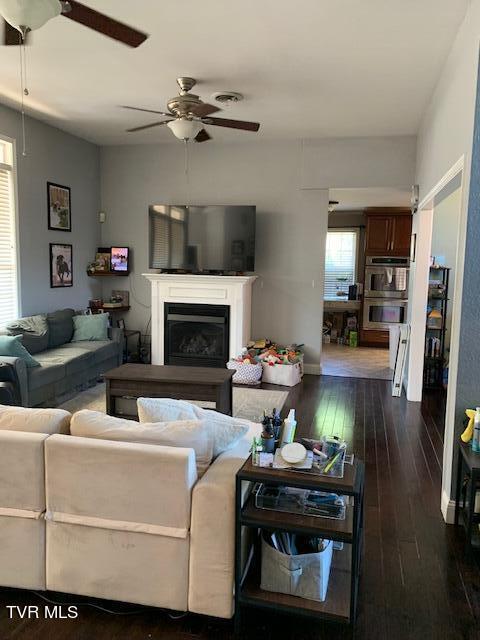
(340, 263)
(8, 262)
(167, 241)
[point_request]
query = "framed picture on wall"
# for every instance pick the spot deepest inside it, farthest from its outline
(61, 265)
(59, 207)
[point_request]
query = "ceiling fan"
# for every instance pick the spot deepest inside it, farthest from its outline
(187, 115)
(23, 16)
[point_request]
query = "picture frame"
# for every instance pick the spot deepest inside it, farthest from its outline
(121, 323)
(102, 261)
(59, 207)
(120, 260)
(61, 265)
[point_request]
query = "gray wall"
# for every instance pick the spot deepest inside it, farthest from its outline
(54, 156)
(291, 224)
(288, 181)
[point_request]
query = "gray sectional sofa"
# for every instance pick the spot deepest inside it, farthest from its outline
(66, 366)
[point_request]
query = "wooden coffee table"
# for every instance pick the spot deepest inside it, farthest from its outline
(181, 383)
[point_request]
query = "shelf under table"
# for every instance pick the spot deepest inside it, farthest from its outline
(322, 527)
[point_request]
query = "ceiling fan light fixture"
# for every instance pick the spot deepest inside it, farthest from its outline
(28, 14)
(184, 128)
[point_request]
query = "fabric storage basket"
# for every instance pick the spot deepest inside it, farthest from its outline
(245, 373)
(305, 576)
(287, 375)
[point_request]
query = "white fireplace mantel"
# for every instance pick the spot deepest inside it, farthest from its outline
(232, 291)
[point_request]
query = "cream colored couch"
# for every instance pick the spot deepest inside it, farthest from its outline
(117, 520)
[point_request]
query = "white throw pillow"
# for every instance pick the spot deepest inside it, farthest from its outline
(226, 430)
(34, 420)
(190, 434)
(167, 408)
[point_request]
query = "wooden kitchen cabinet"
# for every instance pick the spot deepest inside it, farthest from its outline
(388, 231)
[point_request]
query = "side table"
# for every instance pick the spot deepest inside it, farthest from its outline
(131, 333)
(468, 483)
(341, 602)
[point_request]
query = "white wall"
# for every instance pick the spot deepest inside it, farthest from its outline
(446, 131)
(54, 156)
(291, 222)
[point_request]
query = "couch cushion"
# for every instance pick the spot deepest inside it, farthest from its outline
(34, 332)
(190, 434)
(12, 347)
(34, 420)
(60, 327)
(226, 430)
(90, 327)
(46, 374)
(74, 358)
(101, 349)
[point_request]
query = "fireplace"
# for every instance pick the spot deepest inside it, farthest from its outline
(196, 335)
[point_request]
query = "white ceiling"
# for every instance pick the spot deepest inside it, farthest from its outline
(311, 68)
(357, 199)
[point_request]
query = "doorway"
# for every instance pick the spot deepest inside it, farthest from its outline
(365, 290)
(439, 227)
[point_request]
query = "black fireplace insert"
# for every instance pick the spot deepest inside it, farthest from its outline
(196, 335)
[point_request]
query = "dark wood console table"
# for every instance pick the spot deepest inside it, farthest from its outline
(181, 383)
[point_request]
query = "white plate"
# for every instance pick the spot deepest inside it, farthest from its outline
(293, 452)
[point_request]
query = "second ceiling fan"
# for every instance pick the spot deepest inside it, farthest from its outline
(187, 115)
(23, 16)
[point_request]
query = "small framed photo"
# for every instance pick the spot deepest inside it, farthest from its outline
(59, 207)
(102, 262)
(61, 265)
(121, 323)
(119, 259)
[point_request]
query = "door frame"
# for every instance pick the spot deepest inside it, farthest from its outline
(418, 294)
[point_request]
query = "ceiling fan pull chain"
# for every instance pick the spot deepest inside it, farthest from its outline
(24, 91)
(187, 175)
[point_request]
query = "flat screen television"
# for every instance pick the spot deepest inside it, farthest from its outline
(201, 239)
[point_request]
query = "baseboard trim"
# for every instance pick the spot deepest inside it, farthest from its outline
(312, 369)
(448, 508)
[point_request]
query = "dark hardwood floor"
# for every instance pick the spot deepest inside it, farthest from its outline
(416, 581)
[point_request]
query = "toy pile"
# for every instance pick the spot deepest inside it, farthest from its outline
(261, 358)
(267, 352)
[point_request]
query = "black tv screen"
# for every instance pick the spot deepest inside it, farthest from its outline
(202, 238)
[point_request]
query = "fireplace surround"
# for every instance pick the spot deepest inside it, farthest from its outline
(232, 292)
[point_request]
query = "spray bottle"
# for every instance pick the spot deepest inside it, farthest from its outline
(289, 427)
(476, 432)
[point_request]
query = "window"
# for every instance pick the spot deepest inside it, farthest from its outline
(8, 250)
(340, 262)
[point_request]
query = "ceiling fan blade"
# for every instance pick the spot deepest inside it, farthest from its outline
(204, 109)
(148, 126)
(160, 113)
(103, 24)
(202, 136)
(232, 124)
(11, 36)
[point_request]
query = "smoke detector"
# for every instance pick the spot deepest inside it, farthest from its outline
(227, 97)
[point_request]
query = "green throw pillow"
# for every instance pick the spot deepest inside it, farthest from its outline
(92, 327)
(12, 347)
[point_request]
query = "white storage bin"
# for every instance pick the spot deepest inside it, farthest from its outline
(305, 575)
(287, 375)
